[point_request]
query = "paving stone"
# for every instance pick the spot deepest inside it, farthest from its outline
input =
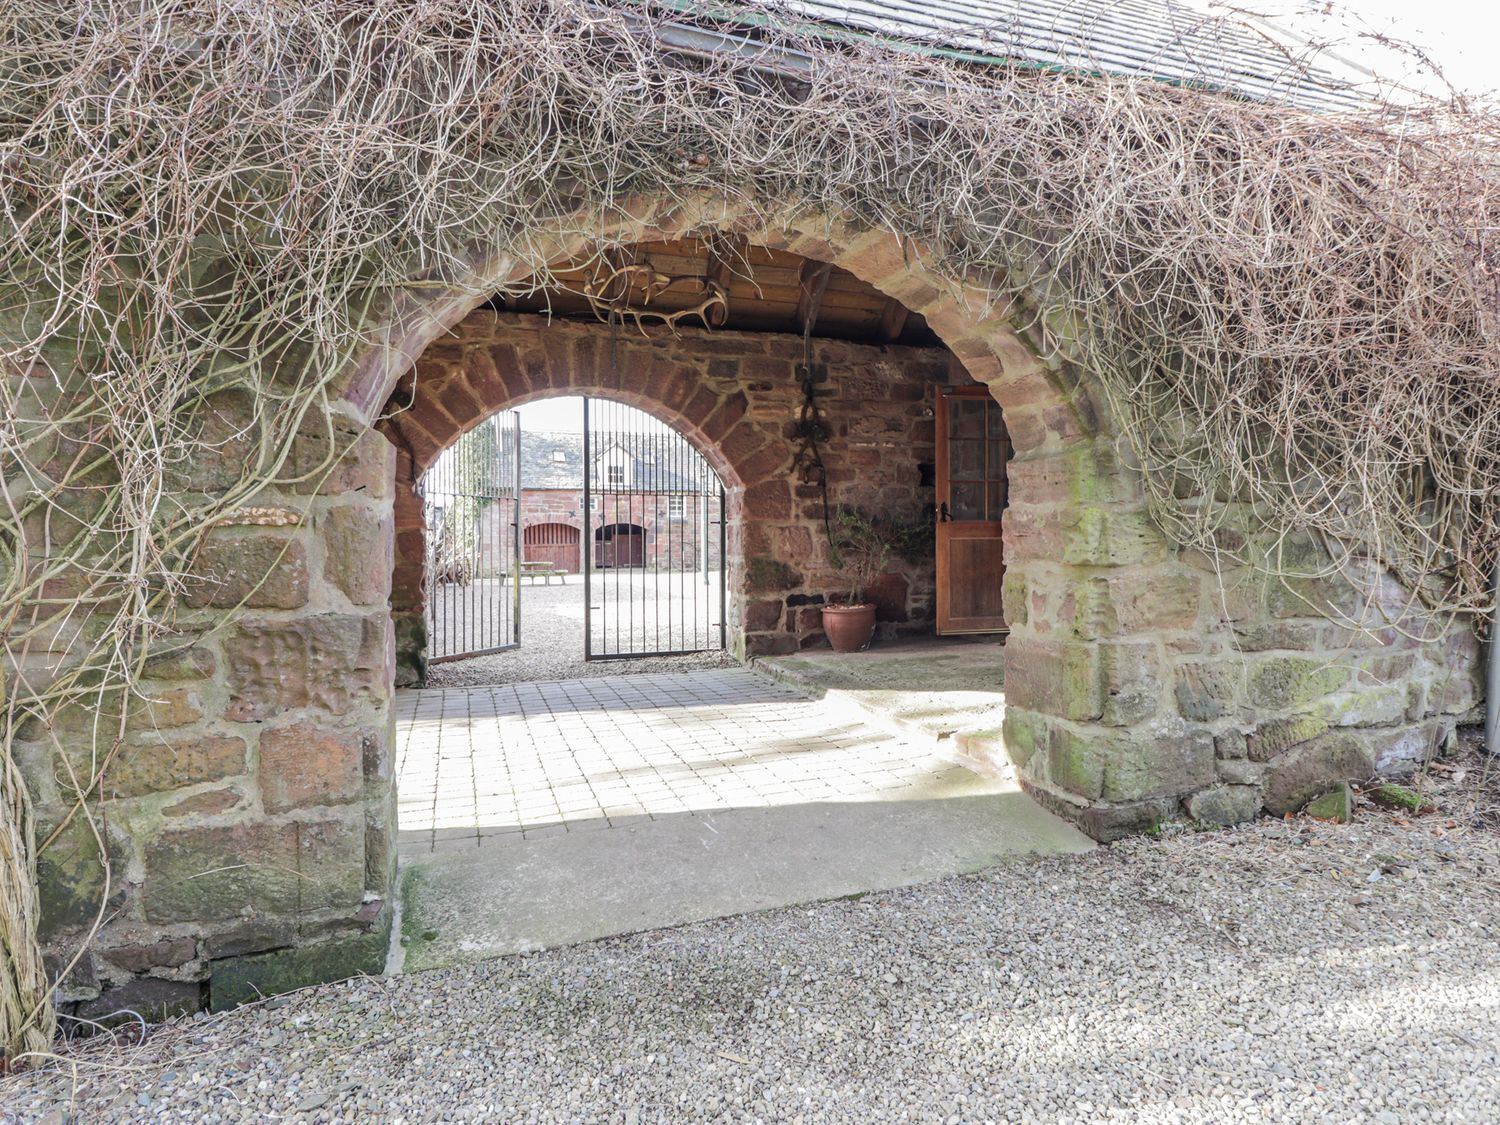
(531, 760)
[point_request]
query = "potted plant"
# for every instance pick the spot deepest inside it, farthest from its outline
(859, 548)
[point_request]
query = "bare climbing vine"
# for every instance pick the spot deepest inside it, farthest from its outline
(1294, 316)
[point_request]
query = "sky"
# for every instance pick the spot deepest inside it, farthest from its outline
(1463, 36)
(565, 415)
(553, 415)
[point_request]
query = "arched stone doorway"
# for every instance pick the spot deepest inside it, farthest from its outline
(1141, 685)
(620, 546)
(555, 543)
(1077, 509)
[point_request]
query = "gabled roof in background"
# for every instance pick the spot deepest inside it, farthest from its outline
(539, 468)
(1158, 39)
(654, 461)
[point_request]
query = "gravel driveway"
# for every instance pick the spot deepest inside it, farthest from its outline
(552, 646)
(1284, 971)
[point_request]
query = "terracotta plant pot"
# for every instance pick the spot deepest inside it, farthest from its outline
(849, 627)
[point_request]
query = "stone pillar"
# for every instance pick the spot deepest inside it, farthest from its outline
(249, 814)
(1145, 685)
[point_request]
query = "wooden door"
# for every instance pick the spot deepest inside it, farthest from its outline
(554, 543)
(630, 549)
(972, 449)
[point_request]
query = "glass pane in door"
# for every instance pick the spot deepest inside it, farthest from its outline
(966, 500)
(966, 419)
(966, 460)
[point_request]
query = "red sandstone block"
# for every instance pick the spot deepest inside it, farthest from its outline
(770, 460)
(740, 442)
(768, 500)
(763, 616)
(684, 382)
(258, 570)
(557, 347)
(160, 765)
(810, 621)
(704, 402)
(771, 369)
(359, 552)
(325, 661)
(483, 379)
(304, 764)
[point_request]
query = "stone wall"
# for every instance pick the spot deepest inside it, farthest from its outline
(248, 815)
(737, 397)
(1161, 686)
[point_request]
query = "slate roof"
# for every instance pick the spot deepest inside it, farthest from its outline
(1160, 39)
(657, 464)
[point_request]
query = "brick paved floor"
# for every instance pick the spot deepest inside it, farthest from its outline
(487, 766)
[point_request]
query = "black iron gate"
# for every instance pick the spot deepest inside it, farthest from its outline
(653, 551)
(471, 502)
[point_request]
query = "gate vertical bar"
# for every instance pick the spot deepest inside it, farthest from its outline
(723, 571)
(515, 543)
(588, 538)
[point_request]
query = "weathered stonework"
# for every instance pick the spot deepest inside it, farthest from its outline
(248, 811)
(249, 817)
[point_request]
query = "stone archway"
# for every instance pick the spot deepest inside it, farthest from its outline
(1090, 715)
(257, 811)
(1142, 683)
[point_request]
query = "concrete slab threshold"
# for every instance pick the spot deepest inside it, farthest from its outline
(690, 867)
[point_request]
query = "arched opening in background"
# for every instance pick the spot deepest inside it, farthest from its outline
(620, 546)
(570, 529)
(558, 544)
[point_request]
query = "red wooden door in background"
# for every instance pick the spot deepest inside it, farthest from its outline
(972, 450)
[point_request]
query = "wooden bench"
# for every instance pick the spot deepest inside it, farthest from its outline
(544, 570)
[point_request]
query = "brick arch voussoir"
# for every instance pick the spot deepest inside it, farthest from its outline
(991, 335)
(455, 391)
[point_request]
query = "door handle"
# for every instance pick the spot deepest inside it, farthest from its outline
(943, 516)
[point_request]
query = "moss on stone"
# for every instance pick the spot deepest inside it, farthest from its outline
(1224, 805)
(240, 980)
(1074, 764)
(1023, 733)
(1280, 735)
(1171, 765)
(1289, 681)
(1399, 797)
(70, 881)
(1366, 708)
(1336, 805)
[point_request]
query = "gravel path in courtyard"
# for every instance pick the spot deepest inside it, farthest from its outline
(552, 647)
(1284, 971)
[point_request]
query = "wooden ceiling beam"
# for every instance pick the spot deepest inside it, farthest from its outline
(892, 321)
(723, 251)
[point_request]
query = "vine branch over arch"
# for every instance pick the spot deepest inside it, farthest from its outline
(1295, 317)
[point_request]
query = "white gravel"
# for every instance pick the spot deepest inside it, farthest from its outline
(552, 647)
(1285, 971)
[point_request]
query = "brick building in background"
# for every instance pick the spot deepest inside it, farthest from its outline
(653, 503)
